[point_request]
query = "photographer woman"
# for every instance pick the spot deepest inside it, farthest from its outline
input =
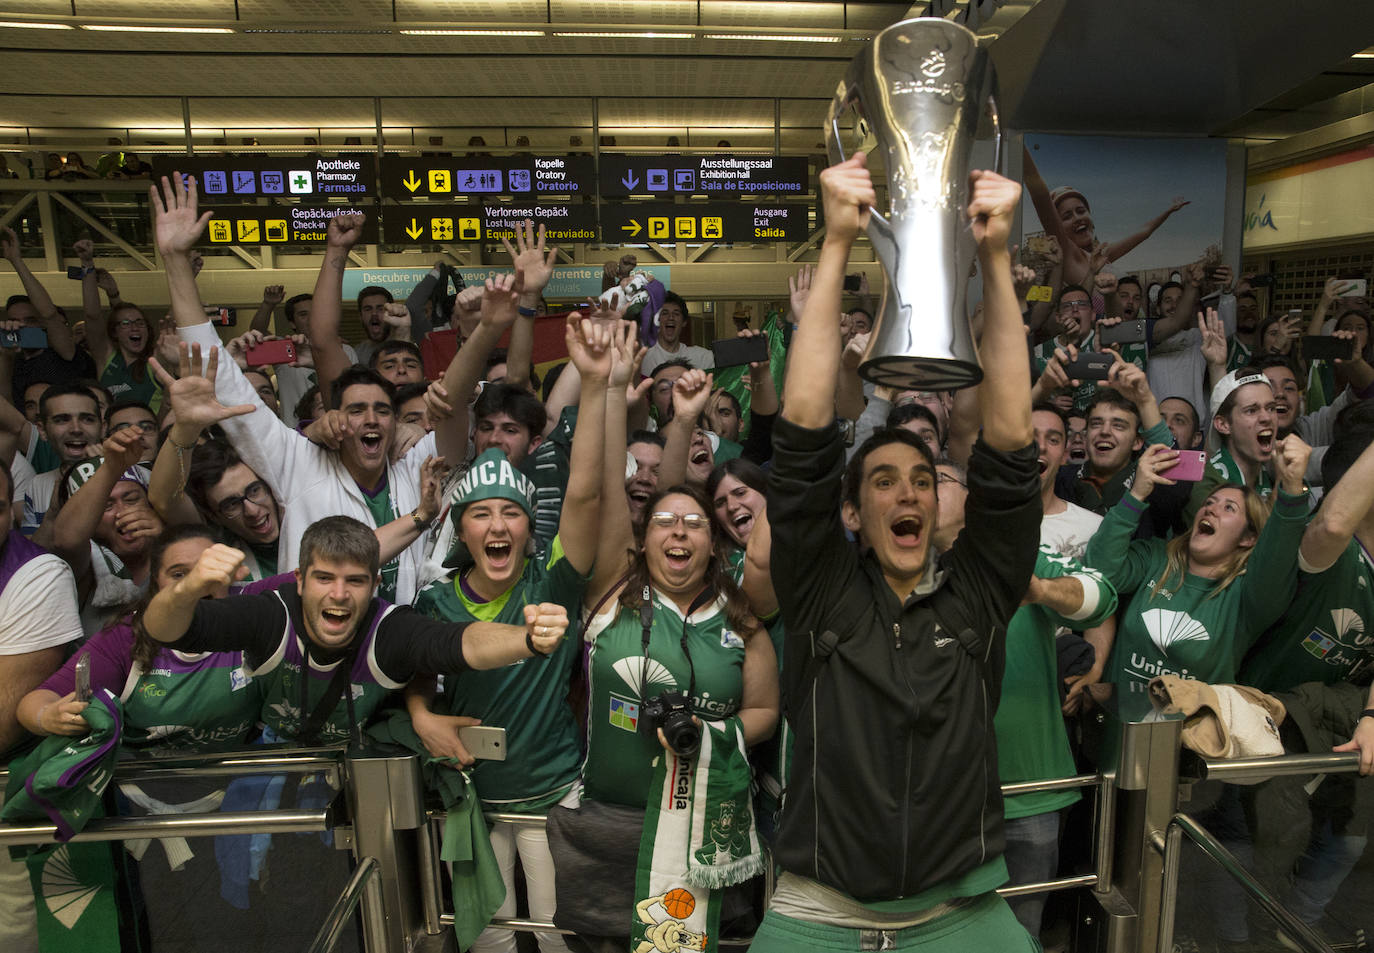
(675, 656)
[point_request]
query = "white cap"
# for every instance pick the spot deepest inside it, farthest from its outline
(1228, 385)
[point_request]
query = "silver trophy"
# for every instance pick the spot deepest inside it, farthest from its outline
(921, 87)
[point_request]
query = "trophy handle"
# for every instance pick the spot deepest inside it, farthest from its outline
(999, 153)
(844, 98)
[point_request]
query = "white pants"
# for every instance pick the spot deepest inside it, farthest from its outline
(18, 922)
(533, 844)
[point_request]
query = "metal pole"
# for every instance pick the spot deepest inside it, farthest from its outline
(174, 825)
(1169, 889)
(186, 125)
(328, 937)
(1250, 770)
(1106, 831)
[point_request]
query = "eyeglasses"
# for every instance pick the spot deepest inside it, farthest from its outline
(147, 426)
(1075, 305)
(123, 323)
(665, 520)
(949, 478)
(257, 493)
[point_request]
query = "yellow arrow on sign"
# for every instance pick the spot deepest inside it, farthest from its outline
(414, 230)
(634, 228)
(411, 183)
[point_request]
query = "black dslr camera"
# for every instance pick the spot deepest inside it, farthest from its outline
(672, 711)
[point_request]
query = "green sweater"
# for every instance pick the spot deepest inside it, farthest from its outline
(1195, 629)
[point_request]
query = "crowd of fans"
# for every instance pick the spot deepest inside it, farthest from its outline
(255, 547)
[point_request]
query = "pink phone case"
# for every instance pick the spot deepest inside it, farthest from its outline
(1190, 467)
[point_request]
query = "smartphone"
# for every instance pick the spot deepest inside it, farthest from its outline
(851, 282)
(1090, 366)
(225, 317)
(1359, 287)
(271, 352)
(731, 352)
(76, 272)
(31, 339)
(1326, 347)
(484, 743)
(1127, 332)
(83, 677)
(1190, 467)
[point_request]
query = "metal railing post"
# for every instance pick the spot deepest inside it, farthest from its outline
(386, 801)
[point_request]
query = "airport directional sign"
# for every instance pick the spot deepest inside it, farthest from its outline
(730, 221)
(405, 177)
(225, 179)
(428, 223)
(304, 224)
(723, 175)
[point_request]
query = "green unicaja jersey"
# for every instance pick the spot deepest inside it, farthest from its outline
(383, 511)
(190, 700)
(1032, 743)
(530, 698)
(621, 747)
(1193, 628)
(1324, 636)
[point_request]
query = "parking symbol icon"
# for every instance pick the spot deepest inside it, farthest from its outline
(245, 182)
(216, 183)
(657, 180)
(658, 227)
(273, 183)
(299, 181)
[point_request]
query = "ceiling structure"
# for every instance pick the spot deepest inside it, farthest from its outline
(281, 71)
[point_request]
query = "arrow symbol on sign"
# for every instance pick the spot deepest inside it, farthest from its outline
(629, 180)
(634, 228)
(414, 230)
(411, 182)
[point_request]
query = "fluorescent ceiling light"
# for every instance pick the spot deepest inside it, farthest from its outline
(473, 32)
(25, 25)
(123, 28)
(774, 36)
(634, 36)
(1366, 55)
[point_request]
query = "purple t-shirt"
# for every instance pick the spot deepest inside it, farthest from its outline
(112, 649)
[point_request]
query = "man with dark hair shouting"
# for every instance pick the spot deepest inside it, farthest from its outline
(893, 659)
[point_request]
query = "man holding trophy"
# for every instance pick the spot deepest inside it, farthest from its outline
(891, 837)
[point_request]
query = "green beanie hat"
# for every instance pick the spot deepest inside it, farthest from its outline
(492, 476)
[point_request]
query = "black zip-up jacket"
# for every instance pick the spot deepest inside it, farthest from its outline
(894, 786)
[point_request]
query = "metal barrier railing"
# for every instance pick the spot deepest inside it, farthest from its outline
(343, 908)
(1170, 844)
(1100, 876)
(1252, 770)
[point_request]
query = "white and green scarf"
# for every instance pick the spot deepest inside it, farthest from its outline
(699, 837)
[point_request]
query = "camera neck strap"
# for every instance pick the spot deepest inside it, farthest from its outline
(646, 621)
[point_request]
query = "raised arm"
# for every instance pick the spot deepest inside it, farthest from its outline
(1004, 395)
(465, 370)
(534, 263)
(326, 307)
(79, 518)
(97, 338)
(1166, 328)
(1344, 507)
(191, 396)
(1119, 248)
(60, 339)
(177, 226)
(272, 296)
(691, 393)
(1134, 385)
(814, 358)
(592, 347)
(170, 612)
(616, 537)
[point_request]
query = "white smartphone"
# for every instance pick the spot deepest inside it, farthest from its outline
(484, 743)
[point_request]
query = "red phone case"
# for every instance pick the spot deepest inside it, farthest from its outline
(271, 352)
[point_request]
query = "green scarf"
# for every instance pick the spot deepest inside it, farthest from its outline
(62, 782)
(699, 837)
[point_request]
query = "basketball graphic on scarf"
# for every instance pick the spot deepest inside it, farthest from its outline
(679, 903)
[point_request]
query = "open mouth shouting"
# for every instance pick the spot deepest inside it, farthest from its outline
(1265, 441)
(678, 558)
(75, 447)
(1205, 527)
(336, 621)
(907, 531)
(743, 523)
(498, 554)
(371, 443)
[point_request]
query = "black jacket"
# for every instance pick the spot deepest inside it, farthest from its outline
(894, 786)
